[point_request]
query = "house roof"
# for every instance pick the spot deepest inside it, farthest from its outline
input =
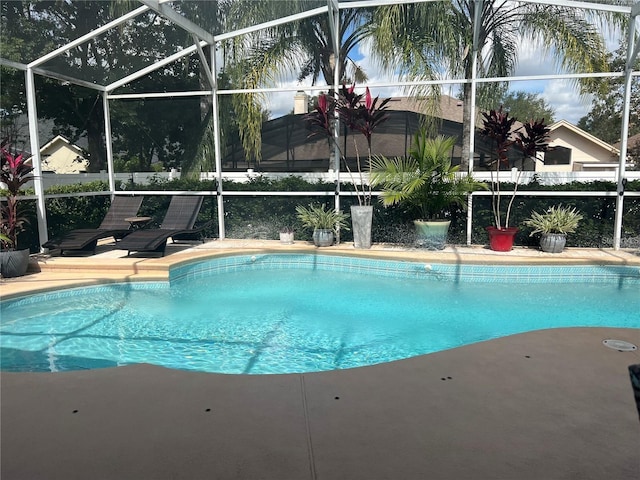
(450, 108)
(288, 139)
(60, 139)
(631, 141)
(577, 130)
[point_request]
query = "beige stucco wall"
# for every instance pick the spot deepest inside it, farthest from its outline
(582, 151)
(60, 158)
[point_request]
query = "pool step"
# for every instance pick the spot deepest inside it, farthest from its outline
(141, 268)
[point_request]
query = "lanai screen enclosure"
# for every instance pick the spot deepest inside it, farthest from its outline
(88, 61)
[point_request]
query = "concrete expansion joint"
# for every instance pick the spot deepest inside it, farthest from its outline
(312, 462)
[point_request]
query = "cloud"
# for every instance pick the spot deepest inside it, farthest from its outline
(564, 97)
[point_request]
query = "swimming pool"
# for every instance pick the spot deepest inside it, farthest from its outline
(286, 313)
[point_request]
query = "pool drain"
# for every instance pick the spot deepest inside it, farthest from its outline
(619, 345)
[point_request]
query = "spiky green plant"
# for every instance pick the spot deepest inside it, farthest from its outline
(557, 219)
(317, 216)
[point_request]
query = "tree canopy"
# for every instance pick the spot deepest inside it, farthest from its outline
(604, 120)
(527, 106)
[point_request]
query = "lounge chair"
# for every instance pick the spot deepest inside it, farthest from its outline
(113, 225)
(178, 224)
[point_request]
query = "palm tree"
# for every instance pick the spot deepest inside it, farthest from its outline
(426, 181)
(304, 48)
(443, 32)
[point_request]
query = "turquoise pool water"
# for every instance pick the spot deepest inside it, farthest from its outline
(299, 313)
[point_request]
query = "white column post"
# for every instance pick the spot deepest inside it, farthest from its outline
(472, 132)
(216, 135)
(632, 51)
(108, 143)
(334, 22)
(41, 212)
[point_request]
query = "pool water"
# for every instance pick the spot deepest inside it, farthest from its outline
(292, 315)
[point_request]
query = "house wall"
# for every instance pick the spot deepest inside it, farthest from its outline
(61, 158)
(582, 151)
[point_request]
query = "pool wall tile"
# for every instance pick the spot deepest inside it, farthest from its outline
(95, 290)
(403, 269)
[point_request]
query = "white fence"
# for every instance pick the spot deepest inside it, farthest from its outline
(144, 178)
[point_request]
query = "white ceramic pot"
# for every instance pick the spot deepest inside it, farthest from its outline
(286, 238)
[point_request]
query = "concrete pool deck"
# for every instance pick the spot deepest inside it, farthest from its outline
(550, 404)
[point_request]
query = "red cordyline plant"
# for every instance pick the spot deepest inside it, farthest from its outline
(14, 174)
(497, 126)
(360, 113)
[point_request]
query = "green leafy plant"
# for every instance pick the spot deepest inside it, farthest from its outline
(15, 172)
(318, 217)
(426, 180)
(557, 219)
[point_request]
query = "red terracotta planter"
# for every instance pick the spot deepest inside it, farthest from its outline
(501, 239)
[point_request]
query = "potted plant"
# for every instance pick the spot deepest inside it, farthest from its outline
(358, 113)
(14, 173)
(325, 223)
(554, 225)
(427, 183)
(497, 125)
(286, 235)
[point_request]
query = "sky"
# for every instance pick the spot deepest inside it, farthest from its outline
(561, 95)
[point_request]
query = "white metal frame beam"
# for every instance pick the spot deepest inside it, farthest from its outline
(85, 38)
(333, 12)
(272, 23)
(203, 61)
(633, 45)
(472, 136)
(36, 160)
(151, 68)
(170, 14)
(215, 112)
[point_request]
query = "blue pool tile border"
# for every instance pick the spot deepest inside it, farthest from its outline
(615, 274)
(92, 290)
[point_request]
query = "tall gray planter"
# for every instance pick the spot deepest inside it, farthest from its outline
(361, 221)
(553, 242)
(14, 263)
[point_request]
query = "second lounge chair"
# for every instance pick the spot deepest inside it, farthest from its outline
(178, 223)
